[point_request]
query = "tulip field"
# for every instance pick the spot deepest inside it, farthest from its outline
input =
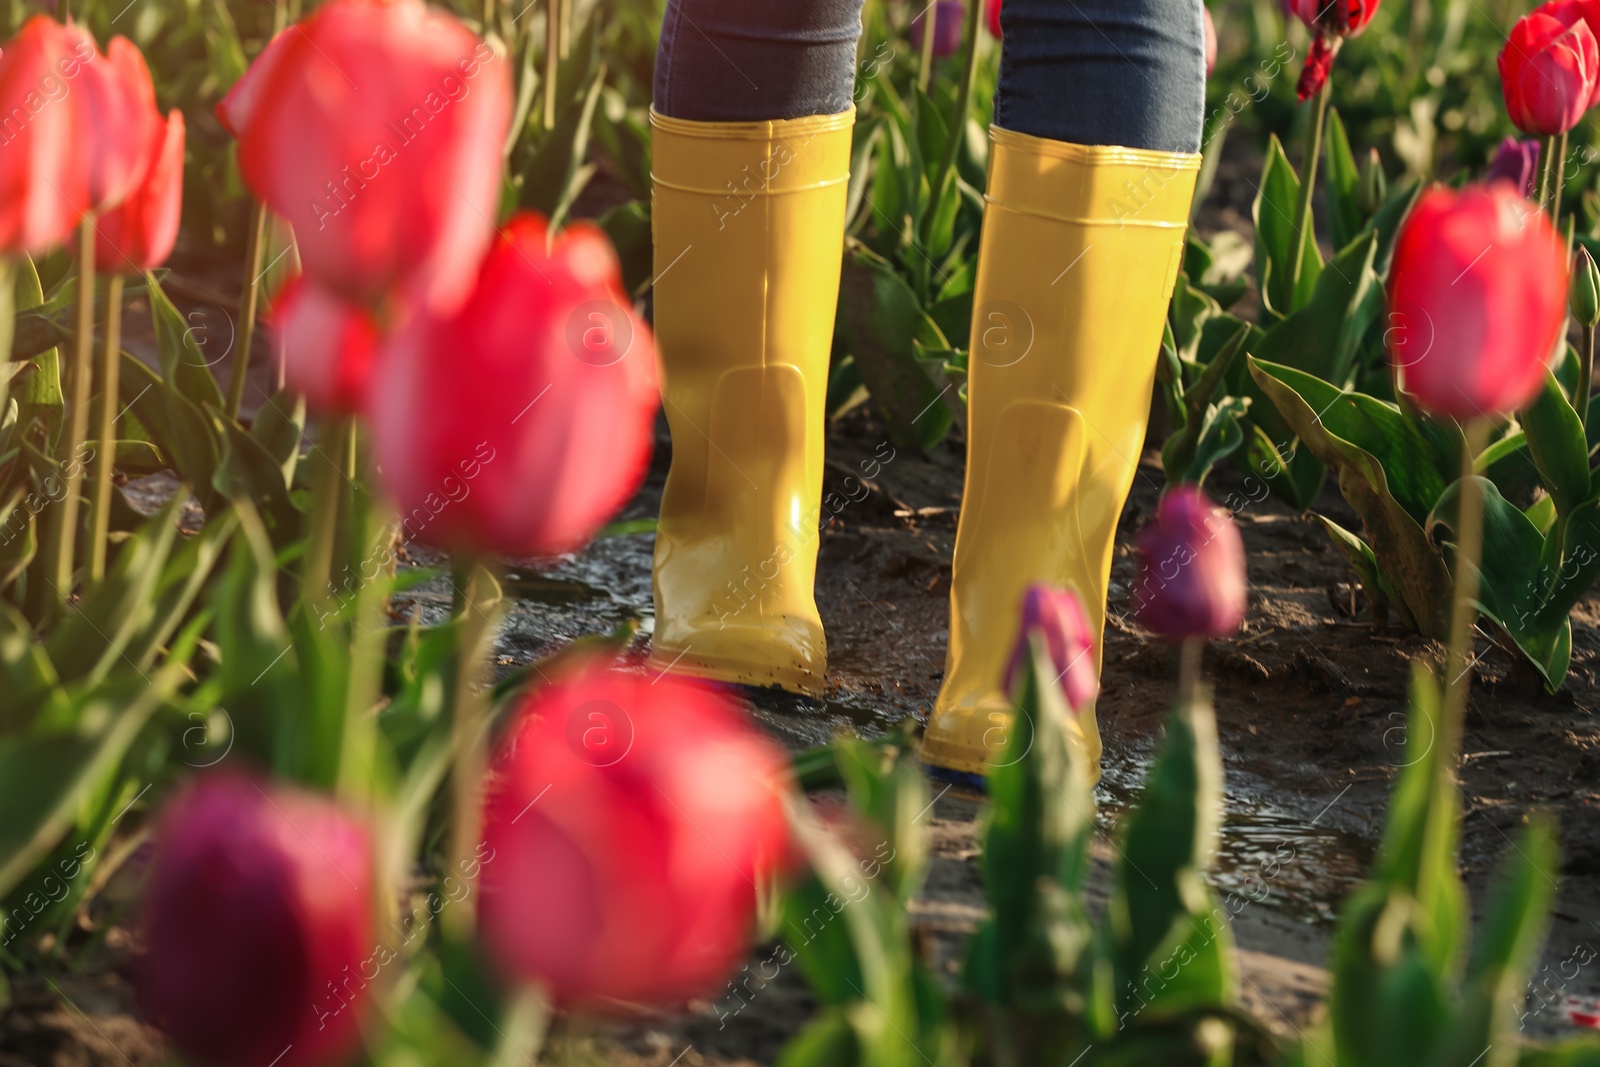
(350, 709)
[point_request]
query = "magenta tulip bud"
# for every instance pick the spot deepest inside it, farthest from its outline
(258, 925)
(1191, 569)
(1516, 162)
(1056, 617)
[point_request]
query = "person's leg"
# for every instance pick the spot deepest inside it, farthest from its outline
(751, 126)
(1091, 172)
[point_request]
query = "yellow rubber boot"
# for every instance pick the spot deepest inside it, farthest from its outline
(1081, 246)
(749, 228)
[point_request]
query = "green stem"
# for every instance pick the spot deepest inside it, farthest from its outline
(566, 28)
(64, 550)
(929, 27)
(105, 459)
(488, 16)
(247, 308)
(470, 709)
(1464, 613)
(1308, 183)
(1189, 656)
(327, 490)
(552, 56)
(1558, 177)
(1585, 373)
(1547, 152)
(958, 128)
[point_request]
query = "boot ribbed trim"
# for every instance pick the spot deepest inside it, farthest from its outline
(1095, 154)
(761, 130)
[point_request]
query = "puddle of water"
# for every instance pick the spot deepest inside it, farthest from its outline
(1264, 855)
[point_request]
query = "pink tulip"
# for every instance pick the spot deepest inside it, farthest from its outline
(258, 921)
(375, 127)
(1056, 617)
(1548, 73)
(1211, 42)
(521, 423)
(1477, 300)
(139, 233)
(328, 347)
(44, 140)
(1191, 568)
(630, 820)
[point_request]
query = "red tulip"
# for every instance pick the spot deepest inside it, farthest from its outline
(1548, 73)
(375, 127)
(1477, 300)
(138, 234)
(521, 423)
(1330, 21)
(1211, 42)
(630, 821)
(258, 919)
(947, 16)
(994, 18)
(1191, 568)
(1570, 12)
(124, 125)
(44, 163)
(328, 347)
(1056, 616)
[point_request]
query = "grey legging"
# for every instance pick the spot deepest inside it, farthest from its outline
(1105, 72)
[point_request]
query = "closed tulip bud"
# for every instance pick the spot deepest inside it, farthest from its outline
(375, 127)
(1585, 296)
(948, 16)
(124, 127)
(44, 152)
(1548, 73)
(1056, 617)
(1191, 568)
(328, 347)
(628, 823)
(539, 395)
(258, 925)
(1374, 187)
(1477, 300)
(1516, 162)
(138, 234)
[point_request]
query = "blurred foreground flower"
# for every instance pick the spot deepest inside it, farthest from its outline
(375, 127)
(522, 423)
(1056, 617)
(1477, 300)
(1516, 162)
(258, 919)
(44, 169)
(1211, 42)
(1548, 72)
(630, 821)
(1330, 22)
(139, 233)
(123, 128)
(993, 14)
(1191, 569)
(328, 346)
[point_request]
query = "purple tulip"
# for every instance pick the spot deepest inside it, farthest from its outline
(948, 16)
(1057, 617)
(258, 925)
(1517, 162)
(1191, 569)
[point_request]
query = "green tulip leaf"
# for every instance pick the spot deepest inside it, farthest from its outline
(1555, 440)
(1388, 471)
(1276, 227)
(1342, 184)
